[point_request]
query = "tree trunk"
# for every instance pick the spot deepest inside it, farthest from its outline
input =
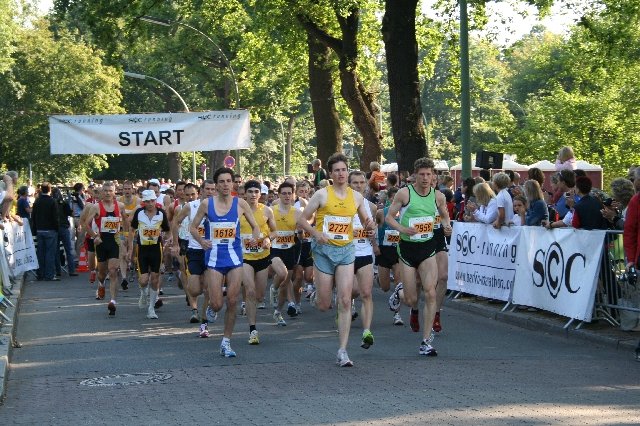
(216, 160)
(401, 47)
(175, 166)
(358, 99)
(287, 156)
(325, 115)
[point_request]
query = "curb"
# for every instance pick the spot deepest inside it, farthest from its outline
(554, 326)
(7, 334)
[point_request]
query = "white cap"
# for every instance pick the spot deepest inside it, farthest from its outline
(148, 195)
(153, 182)
(264, 189)
(164, 187)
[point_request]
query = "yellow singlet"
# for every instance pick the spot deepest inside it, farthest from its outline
(254, 251)
(335, 218)
(285, 228)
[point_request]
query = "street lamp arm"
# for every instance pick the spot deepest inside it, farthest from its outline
(143, 77)
(169, 23)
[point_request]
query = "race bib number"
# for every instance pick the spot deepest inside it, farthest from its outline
(110, 225)
(437, 222)
(306, 236)
(424, 226)
(360, 235)
(249, 246)
(284, 239)
(391, 238)
(201, 230)
(336, 227)
(222, 233)
(149, 235)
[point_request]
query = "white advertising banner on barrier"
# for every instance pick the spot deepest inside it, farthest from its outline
(558, 270)
(482, 260)
(19, 251)
(150, 133)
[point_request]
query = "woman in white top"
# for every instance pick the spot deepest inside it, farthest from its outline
(486, 209)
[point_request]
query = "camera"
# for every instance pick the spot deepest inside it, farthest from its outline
(567, 194)
(608, 202)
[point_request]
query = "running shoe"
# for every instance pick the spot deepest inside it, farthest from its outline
(92, 277)
(253, 338)
(151, 313)
(194, 317)
(226, 351)
(100, 292)
(308, 291)
(112, 308)
(343, 359)
(397, 319)
(414, 321)
(158, 303)
(291, 310)
(298, 309)
(426, 349)
(212, 316)
(143, 301)
(160, 292)
(243, 309)
(124, 284)
(277, 316)
(261, 305)
(312, 299)
(204, 330)
(394, 299)
(437, 326)
(367, 339)
(354, 311)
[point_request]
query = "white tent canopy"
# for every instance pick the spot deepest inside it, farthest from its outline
(393, 167)
(544, 165)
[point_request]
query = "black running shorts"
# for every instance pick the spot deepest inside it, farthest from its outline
(149, 258)
(413, 254)
(388, 257)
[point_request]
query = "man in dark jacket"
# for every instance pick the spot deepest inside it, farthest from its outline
(64, 235)
(587, 212)
(45, 226)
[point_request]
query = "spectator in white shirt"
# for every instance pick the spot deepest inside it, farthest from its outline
(501, 182)
(485, 208)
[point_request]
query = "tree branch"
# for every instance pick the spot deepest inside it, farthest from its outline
(321, 35)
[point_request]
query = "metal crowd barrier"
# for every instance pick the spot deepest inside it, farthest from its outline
(618, 296)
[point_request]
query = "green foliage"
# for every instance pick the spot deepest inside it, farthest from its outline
(52, 76)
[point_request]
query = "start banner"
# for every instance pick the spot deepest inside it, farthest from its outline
(482, 260)
(150, 133)
(558, 270)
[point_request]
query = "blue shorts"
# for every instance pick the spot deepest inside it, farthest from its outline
(327, 257)
(195, 261)
(224, 270)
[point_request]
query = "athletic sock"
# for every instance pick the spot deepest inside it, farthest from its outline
(252, 328)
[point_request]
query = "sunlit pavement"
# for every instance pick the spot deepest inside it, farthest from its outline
(78, 366)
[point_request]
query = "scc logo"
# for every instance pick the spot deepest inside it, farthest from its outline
(551, 268)
(465, 243)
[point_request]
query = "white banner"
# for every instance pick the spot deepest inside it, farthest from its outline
(150, 133)
(482, 260)
(558, 270)
(19, 251)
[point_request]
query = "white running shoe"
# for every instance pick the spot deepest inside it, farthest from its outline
(277, 316)
(343, 359)
(151, 313)
(397, 319)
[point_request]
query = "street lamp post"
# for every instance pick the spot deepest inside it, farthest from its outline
(234, 81)
(184, 104)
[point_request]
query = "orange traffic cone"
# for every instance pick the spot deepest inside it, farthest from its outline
(83, 266)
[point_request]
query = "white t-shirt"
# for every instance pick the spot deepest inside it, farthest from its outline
(503, 199)
(3, 193)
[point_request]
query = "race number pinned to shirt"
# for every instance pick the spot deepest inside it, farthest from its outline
(336, 227)
(437, 223)
(391, 238)
(424, 226)
(222, 233)
(149, 235)
(360, 235)
(284, 239)
(251, 246)
(110, 225)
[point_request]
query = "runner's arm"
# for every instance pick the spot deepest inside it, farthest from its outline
(177, 220)
(317, 200)
(200, 214)
(248, 214)
(445, 220)
(402, 197)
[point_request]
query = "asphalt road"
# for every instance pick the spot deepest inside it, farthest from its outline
(76, 366)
